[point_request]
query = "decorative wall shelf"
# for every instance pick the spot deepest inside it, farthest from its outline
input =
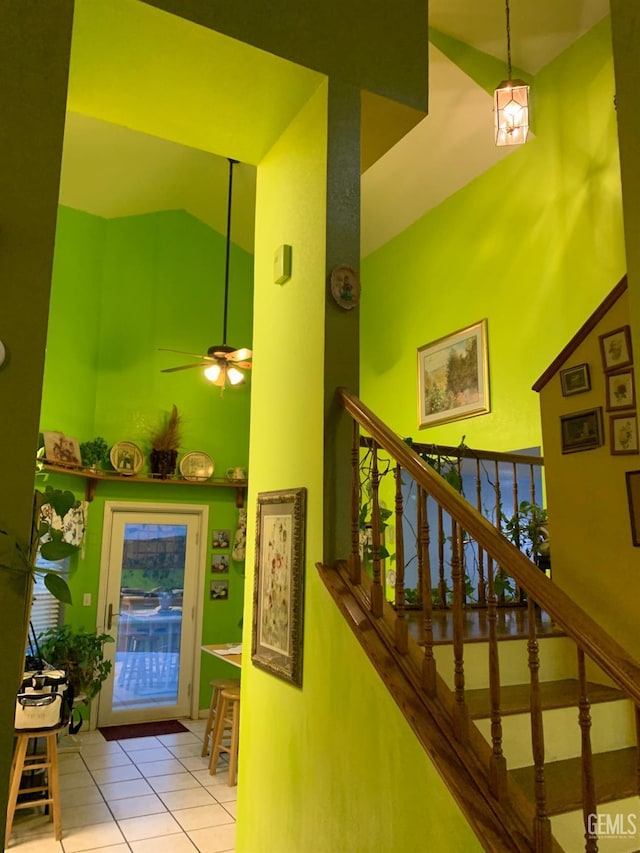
(92, 479)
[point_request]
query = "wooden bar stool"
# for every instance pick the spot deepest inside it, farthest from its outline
(40, 761)
(218, 685)
(226, 731)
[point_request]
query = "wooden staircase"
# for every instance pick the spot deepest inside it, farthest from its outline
(529, 713)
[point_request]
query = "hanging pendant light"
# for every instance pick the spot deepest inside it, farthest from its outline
(511, 103)
(223, 364)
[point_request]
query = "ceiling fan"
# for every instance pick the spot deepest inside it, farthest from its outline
(223, 363)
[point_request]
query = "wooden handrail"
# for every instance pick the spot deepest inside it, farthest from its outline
(465, 452)
(609, 655)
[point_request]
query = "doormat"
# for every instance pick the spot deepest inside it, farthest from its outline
(163, 727)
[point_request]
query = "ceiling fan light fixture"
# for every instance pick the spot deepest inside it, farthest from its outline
(511, 103)
(235, 376)
(213, 373)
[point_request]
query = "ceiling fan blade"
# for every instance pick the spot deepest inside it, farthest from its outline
(243, 353)
(186, 366)
(182, 352)
(245, 365)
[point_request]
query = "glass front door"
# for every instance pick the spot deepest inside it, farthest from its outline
(151, 589)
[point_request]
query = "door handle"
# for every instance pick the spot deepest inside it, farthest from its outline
(110, 615)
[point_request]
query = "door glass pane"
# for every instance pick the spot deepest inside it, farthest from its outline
(150, 621)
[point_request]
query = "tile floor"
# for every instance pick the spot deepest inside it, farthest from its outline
(143, 794)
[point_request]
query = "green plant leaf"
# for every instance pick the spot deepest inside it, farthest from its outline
(61, 501)
(58, 587)
(56, 549)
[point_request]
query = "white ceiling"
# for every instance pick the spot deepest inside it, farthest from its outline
(109, 170)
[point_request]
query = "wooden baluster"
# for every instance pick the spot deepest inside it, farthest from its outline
(498, 764)
(541, 822)
(420, 566)
(498, 515)
(428, 663)
(482, 590)
(401, 634)
(588, 788)
(355, 565)
(376, 589)
(519, 593)
(442, 583)
(460, 722)
(532, 485)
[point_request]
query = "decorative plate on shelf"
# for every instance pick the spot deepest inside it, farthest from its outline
(126, 457)
(196, 465)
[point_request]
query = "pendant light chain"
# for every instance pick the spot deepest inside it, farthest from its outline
(508, 39)
(226, 262)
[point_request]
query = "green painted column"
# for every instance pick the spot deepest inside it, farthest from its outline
(341, 329)
(35, 41)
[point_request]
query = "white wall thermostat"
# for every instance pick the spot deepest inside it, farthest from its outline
(282, 264)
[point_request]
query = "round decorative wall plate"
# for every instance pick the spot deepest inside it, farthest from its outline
(345, 287)
(126, 457)
(196, 465)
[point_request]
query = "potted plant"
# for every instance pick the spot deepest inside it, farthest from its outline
(80, 654)
(94, 453)
(528, 529)
(165, 441)
(16, 556)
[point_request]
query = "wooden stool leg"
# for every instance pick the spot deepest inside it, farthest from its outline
(54, 785)
(218, 734)
(213, 708)
(16, 774)
(233, 754)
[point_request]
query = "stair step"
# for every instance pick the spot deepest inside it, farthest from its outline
(514, 698)
(615, 775)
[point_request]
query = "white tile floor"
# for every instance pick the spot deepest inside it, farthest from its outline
(144, 794)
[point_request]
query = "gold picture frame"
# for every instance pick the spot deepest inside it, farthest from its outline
(453, 377)
(278, 592)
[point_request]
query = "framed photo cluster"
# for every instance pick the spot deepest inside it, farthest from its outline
(617, 364)
(585, 430)
(220, 561)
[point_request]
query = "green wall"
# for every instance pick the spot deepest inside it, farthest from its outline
(121, 289)
(534, 244)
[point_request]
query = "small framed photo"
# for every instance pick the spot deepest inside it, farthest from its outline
(633, 493)
(575, 380)
(278, 586)
(453, 377)
(220, 539)
(621, 390)
(582, 430)
(615, 347)
(623, 430)
(219, 590)
(220, 564)
(62, 450)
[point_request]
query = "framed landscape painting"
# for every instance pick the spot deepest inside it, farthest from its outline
(453, 377)
(278, 584)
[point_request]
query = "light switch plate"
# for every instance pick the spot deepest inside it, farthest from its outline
(282, 264)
